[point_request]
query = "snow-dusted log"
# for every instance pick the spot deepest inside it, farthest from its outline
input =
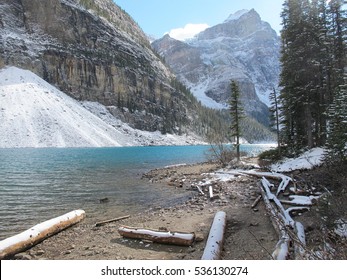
(300, 241)
(287, 219)
(285, 180)
(282, 247)
(281, 251)
(112, 220)
(301, 200)
(166, 237)
(210, 191)
(200, 190)
(214, 244)
(284, 183)
(26, 239)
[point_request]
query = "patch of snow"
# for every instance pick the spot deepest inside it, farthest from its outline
(199, 91)
(33, 113)
(308, 160)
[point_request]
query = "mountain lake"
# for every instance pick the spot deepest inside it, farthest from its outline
(39, 184)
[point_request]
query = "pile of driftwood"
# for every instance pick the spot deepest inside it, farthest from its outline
(292, 243)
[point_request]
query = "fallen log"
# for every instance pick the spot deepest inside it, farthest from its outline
(200, 190)
(287, 219)
(256, 201)
(166, 237)
(281, 251)
(299, 242)
(27, 239)
(285, 180)
(214, 244)
(301, 200)
(111, 220)
(210, 190)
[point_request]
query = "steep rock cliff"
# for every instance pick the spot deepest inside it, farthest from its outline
(92, 50)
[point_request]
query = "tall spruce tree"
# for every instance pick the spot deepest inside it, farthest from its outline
(274, 117)
(236, 112)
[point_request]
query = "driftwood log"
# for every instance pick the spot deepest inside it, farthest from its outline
(210, 191)
(214, 244)
(25, 240)
(256, 201)
(166, 237)
(112, 220)
(281, 251)
(200, 190)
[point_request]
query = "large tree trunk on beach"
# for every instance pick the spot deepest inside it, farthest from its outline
(214, 244)
(166, 237)
(23, 241)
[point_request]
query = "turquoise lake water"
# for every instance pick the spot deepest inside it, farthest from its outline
(40, 184)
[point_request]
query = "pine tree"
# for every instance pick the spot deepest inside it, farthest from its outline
(337, 142)
(274, 117)
(236, 112)
(313, 59)
(294, 99)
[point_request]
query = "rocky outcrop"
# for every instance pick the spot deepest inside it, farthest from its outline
(92, 50)
(243, 48)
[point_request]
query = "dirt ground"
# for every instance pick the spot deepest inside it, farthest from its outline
(249, 233)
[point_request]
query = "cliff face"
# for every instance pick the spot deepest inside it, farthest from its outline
(243, 48)
(92, 50)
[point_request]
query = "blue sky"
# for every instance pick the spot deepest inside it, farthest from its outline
(157, 17)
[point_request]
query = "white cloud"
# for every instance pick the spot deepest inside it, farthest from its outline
(188, 31)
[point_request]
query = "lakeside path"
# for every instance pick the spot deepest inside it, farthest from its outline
(249, 232)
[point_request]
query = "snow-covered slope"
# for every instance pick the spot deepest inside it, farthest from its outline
(307, 160)
(33, 113)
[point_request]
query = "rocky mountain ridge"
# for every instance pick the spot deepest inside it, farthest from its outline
(243, 48)
(93, 51)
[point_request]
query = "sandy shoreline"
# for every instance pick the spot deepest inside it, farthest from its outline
(249, 233)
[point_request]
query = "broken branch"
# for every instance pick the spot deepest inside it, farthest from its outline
(111, 220)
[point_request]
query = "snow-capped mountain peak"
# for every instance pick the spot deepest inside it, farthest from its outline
(243, 48)
(237, 15)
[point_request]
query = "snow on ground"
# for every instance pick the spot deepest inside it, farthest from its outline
(308, 160)
(33, 113)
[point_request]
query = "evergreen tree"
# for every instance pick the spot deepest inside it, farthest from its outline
(313, 58)
(337, 142)
(294, 60)
(236, 112)
(274, 117)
